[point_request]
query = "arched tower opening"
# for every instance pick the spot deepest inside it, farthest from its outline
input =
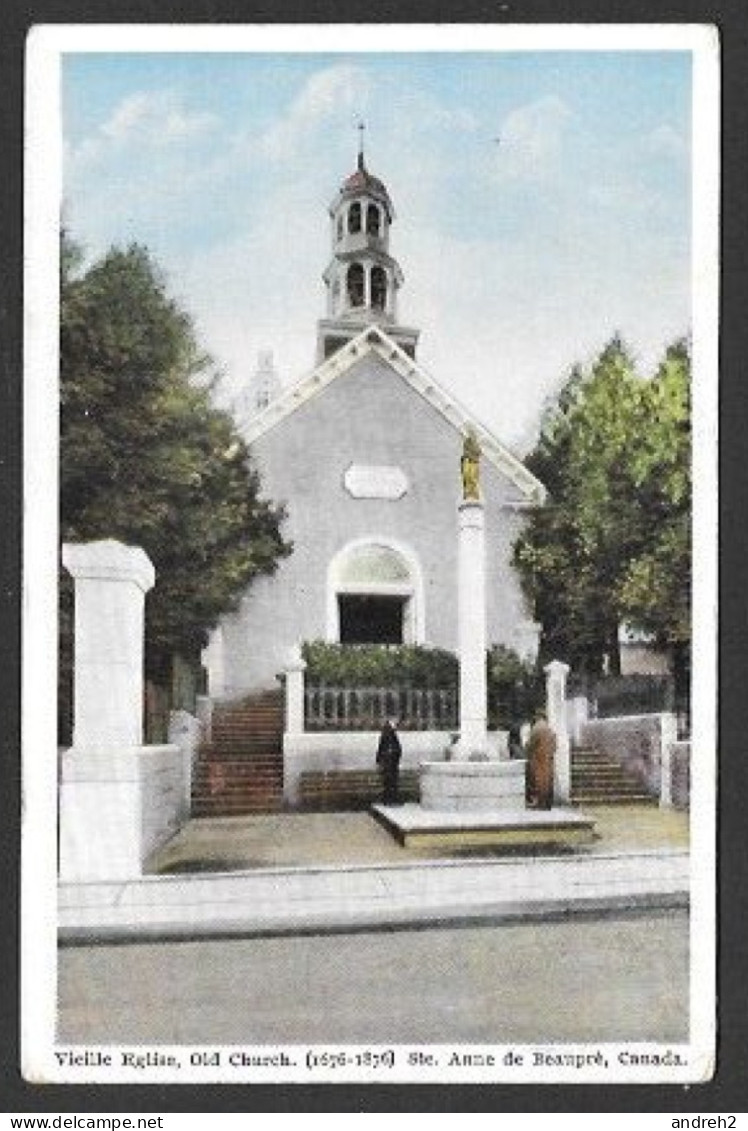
(356, 285)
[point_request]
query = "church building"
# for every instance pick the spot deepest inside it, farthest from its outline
(364, 453)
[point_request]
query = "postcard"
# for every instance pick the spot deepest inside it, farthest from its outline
(370, 560)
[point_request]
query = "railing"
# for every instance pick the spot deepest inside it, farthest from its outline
(366, 708)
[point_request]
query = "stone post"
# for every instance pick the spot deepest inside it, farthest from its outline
(556, 673)
(577, 714)
(111, 581)
(214, 660)
(471, 618)
(295, 668)
(119, 800)
(204, 712)
(668, 738)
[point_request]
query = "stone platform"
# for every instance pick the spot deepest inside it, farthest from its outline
(469, 786)
(415, 826)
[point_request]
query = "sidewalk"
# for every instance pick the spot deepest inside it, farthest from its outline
(342, 871)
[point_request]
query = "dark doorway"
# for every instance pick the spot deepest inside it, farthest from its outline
(370, 620)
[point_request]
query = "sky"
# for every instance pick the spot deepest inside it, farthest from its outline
(521, 255)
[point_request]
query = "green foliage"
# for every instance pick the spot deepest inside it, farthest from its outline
(515, 688)
(613, 542)
(145, 456)
(655, 590)
(378, 665)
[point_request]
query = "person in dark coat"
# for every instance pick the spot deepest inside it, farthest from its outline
(541, 749)
(516, 749)
(389, 752)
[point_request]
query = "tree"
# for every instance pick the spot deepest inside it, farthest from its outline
(655, 591)
(585, 558)
(148, 459)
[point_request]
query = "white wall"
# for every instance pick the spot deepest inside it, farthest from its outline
(117, 806)
(636, 742)
(368, 416)
(680, 774)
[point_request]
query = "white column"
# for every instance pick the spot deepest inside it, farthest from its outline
(111, 581)
(556, 673)
(471, 614)
(295, 668)
(668, 736)
(214, 659)
(577, 714)
(119, 800)
(204, 712)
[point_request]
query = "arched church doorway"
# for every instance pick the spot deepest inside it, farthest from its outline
(375, 595)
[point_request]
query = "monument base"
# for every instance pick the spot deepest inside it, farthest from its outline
(473, 786)
(414, 826)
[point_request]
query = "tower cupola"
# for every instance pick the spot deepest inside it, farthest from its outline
(362, 278)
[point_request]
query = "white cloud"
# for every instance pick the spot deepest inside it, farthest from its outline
(155, 117)
(664, 141)
(144, 119)
(260, 288)
(625, 197)
(342, 89)
(531, 139)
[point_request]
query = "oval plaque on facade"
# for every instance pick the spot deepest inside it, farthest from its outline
(369, 481)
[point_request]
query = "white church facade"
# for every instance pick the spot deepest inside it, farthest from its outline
(364, 453)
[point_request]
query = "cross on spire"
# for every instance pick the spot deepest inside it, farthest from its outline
(361, 127)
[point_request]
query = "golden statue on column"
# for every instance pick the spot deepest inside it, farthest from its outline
(470, 467)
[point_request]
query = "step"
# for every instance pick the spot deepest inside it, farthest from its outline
(241, 810)
(592, 763)
(240, 751)
(604, 794)
(221, 785)
(244, 766)
(249, 731)
(237, 723)
(594, 760)
(234, 781)
(258, 789)
(221, 754)
(583, 799)
(266, 718)
(243, 745)
(251, 726)
(246, 734)
(609, 779)
(207, 784)
(599, 771)
(619, 782)
(262, 785)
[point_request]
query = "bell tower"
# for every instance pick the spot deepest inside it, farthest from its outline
(362, 278)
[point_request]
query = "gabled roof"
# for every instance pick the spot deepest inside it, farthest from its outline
(373, 339)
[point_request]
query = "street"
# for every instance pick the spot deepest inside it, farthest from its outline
(613, 978)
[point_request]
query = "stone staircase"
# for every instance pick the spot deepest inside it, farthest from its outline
(597, 779)
(240, 771)
(350, 789)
